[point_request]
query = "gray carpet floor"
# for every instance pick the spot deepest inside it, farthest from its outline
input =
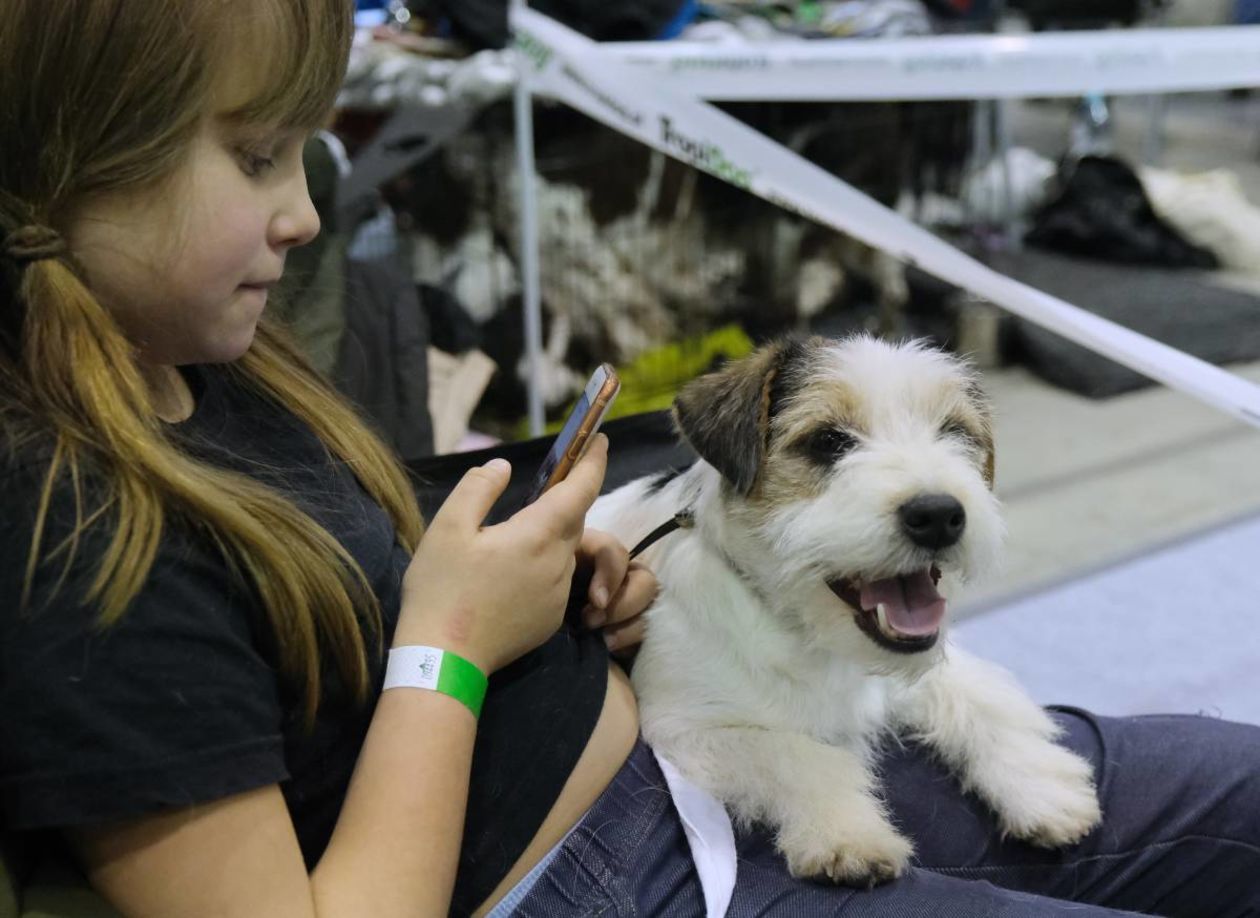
(1176, 630)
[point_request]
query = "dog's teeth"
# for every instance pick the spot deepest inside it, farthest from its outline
(882, 614)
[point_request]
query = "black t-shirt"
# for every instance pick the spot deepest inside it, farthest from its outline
(180, 701)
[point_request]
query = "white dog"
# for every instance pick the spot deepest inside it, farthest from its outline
(799, 621)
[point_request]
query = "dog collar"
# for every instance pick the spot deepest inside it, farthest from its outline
(683, 519)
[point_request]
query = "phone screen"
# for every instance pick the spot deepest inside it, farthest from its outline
(572, 425)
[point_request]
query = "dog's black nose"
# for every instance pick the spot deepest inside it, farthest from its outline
(933, 520)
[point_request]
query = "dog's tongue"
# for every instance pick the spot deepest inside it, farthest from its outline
(911, 603)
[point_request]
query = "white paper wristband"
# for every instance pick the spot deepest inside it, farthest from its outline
(437, 670)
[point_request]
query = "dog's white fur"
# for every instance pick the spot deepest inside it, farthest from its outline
(754, 678)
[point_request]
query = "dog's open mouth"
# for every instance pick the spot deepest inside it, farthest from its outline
(902, 613)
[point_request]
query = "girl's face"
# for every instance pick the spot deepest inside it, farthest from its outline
(186, 271)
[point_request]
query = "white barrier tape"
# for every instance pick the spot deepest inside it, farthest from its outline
(641, 106)
(952, 67)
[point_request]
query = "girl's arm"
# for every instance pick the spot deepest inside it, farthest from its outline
(394, 850)
(488, 594)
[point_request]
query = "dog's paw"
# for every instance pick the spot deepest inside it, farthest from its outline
(1049, 799)
(862, 858)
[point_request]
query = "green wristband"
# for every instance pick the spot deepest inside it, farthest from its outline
(417, 666)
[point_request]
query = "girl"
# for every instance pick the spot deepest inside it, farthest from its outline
(206, 552)
(205, 556)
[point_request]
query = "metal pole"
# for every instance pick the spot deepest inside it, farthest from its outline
(1156, 115)
(1002, 141)
(526, 177)
(1156, 104)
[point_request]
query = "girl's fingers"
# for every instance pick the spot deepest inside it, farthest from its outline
(608, 559)
(473, 497)
(563, 508)
(626, 635)
(638, 591)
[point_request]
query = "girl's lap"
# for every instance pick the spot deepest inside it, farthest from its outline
(1179, 797)
(1180, 834)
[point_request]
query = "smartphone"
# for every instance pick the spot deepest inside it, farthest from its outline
(579, 427)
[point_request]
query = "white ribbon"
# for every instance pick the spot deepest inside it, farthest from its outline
(1114, 61)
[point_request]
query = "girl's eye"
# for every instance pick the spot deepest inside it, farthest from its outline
(255, 165)
(828, 445)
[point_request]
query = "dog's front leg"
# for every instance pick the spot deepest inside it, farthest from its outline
(1001, 744)
(818, 797)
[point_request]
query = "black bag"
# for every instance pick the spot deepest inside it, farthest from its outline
(484, 23)
(638, 444)
(1078, 14)
(1102, 212)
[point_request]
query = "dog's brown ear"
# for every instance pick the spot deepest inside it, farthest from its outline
(725, 415)
(981, 403)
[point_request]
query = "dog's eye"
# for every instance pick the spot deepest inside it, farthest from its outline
(828, 445)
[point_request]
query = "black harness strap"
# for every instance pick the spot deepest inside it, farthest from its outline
(686, 519)
(578, 590)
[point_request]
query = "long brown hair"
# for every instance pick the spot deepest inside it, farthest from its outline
(105, 96)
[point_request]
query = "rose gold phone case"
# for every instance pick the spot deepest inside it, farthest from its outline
(590, 423)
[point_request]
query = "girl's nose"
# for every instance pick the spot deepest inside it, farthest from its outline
(296, 221)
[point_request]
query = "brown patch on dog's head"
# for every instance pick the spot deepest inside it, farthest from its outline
(981, 427)
(819, 406)
(726, 415)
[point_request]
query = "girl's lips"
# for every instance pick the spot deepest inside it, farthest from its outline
(258, 293)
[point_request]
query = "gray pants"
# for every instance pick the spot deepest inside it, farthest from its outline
(1180, 837)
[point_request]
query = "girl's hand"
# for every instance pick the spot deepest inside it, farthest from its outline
(493, 593)
(621, 590)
